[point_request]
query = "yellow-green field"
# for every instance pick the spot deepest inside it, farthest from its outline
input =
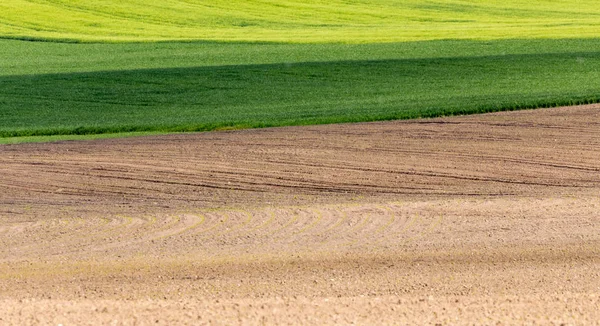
(348, 21)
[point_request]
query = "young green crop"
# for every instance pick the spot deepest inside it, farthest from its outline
(30, 58)
(260, 95)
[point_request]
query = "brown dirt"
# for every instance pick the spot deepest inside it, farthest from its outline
(464, 220)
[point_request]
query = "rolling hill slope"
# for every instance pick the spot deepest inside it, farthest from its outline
(110, 66)
(296, 21)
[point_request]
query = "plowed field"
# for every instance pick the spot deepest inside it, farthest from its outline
(460, 220)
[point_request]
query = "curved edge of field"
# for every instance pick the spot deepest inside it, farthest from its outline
(95, 133)
(59, 138)
(268, 95)
(103, 89)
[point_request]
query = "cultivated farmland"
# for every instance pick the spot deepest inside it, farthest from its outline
(371, 199)
(482, 218)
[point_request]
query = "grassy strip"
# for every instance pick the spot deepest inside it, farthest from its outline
(57, 138)
(222, 97)
(313, 21)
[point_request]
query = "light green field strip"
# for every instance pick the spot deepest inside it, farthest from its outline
(299, 21)
(30, 58)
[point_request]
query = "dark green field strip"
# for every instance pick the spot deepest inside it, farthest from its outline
(30, 58)
(208, 98)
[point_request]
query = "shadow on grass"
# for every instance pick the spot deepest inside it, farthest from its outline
(256, 96)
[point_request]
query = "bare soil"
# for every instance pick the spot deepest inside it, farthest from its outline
(485, 219)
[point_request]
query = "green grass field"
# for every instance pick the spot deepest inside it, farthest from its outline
(71, 68)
